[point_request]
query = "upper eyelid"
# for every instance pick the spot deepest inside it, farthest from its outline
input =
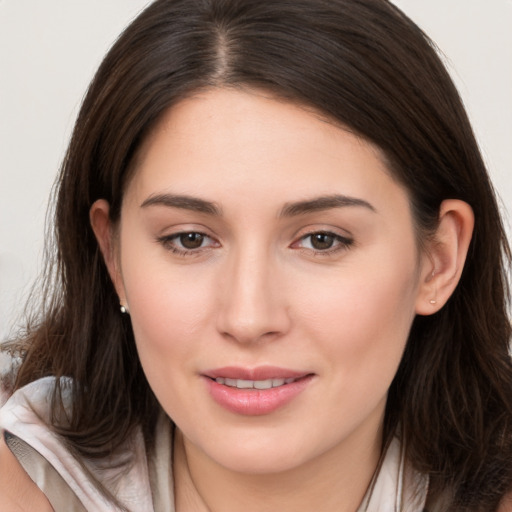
(182, 228)
(311, 229)
(345, 234)
(177, 234)
(337, 236)
(169, 243)
(341, 234)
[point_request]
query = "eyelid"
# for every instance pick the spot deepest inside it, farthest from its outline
(344, 241)
(322, 227)
(167, 241)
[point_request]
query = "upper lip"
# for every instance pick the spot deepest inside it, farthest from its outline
(258, 373)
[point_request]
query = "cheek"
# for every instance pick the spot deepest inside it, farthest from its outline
(361, 330)
(364, 320)
(169, 307)
(164, 309)
(167, 319)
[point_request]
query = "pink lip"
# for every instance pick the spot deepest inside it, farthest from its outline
(259, 373)
(255, 402)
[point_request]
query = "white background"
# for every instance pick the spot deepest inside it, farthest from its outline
(50, 49)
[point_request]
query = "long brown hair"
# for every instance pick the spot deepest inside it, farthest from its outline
(366, 65)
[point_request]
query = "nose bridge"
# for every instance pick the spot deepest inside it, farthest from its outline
(252, 303)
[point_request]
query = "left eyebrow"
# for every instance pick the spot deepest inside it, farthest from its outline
(184, 202)
(323, 203)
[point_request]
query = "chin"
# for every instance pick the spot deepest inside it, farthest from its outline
(260, 453)
(262, 463)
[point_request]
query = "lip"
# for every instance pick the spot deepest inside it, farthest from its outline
(255, 402)
(258, 373)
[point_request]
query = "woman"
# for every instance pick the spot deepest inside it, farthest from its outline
(280, 278)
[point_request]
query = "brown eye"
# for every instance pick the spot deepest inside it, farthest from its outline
(191, 240)
(187, 243)
(322, 241)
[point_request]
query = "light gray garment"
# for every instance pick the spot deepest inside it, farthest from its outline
(143, 483)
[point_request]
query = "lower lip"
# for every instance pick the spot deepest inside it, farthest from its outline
(256, 402)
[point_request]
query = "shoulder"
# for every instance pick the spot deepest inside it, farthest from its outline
(47, 462)
(18, 493)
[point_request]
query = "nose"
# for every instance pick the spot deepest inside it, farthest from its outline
(252, 302)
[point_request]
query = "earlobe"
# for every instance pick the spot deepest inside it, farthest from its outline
(102, 227)
(445, 256)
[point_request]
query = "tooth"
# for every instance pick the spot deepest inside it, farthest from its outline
(253, 384)
(263, 384)
(244, 384)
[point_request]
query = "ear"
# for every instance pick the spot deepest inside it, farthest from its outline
(101, 225)
(444, 256)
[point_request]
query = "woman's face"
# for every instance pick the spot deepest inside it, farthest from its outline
(269, 263)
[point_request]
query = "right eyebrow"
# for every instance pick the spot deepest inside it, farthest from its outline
(323, 203)
(184, 202)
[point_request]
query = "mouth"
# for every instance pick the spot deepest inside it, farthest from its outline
(255, 392)
(254, 384)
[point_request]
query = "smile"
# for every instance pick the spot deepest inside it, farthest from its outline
(254, 384)
(258, 391)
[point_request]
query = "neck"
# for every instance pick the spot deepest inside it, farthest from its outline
(333, 482)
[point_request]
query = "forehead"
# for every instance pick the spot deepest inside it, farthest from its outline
(226, 141)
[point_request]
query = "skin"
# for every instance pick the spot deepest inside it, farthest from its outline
(258, 290)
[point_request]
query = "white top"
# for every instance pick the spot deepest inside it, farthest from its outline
(139, 481)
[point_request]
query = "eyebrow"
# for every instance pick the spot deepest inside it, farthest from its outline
(323, 203)
(183, 201)
(289, 209)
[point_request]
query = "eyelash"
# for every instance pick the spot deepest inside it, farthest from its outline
(340, 243)
(169, 241)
